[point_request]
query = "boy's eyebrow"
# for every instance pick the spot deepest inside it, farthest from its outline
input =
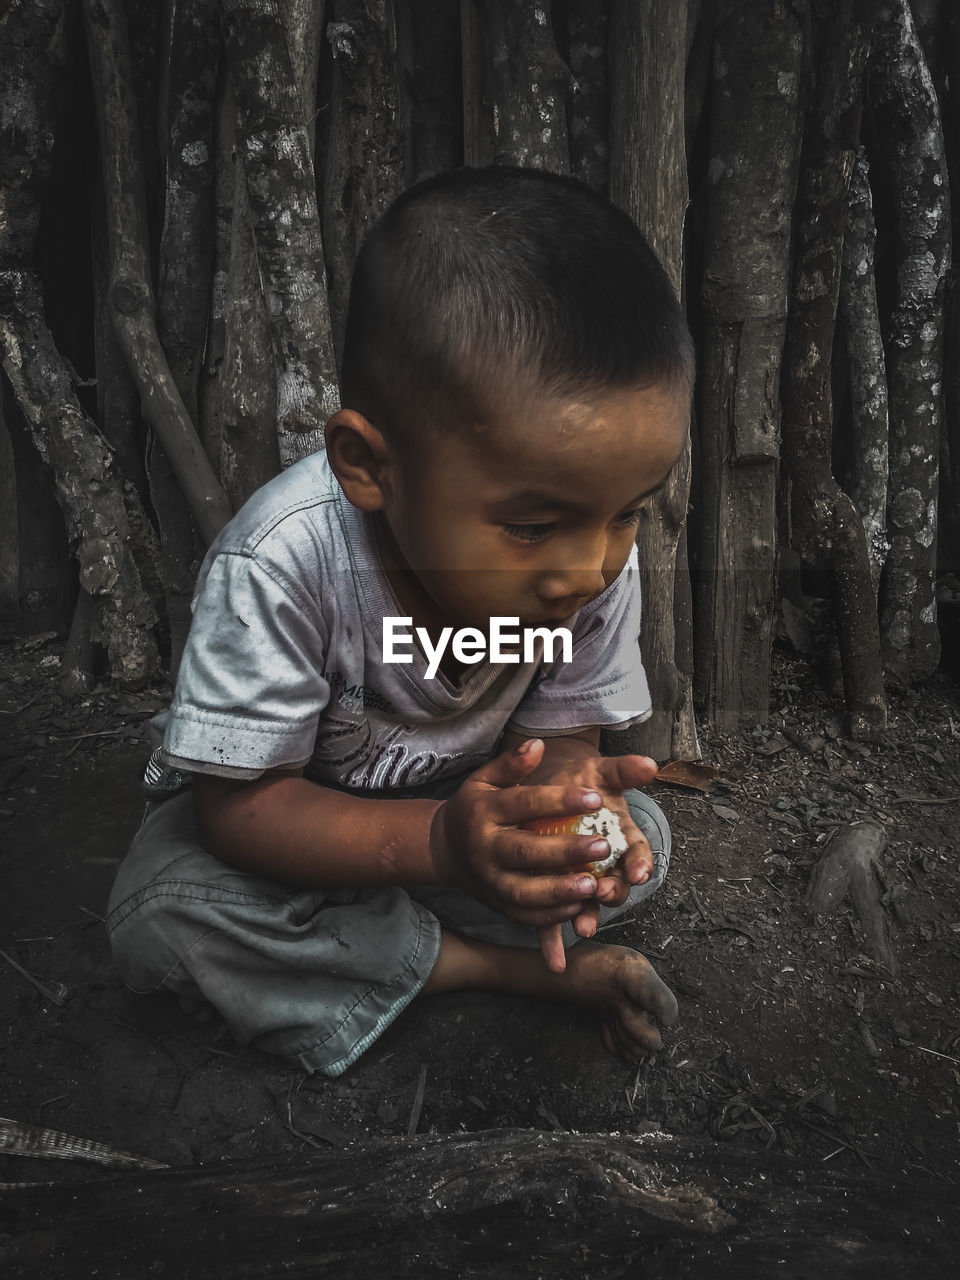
(535, 499)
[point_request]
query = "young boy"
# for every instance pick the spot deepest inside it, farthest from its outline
(349, 831)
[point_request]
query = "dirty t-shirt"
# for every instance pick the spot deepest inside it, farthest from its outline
(283, 668)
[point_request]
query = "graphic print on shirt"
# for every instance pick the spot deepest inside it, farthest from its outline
(355, 755)
(355, 751)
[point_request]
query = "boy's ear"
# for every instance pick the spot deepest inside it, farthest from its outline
(360, 458)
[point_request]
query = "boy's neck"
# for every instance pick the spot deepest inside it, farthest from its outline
(412, 597)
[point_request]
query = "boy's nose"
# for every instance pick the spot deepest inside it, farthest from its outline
(571, 586)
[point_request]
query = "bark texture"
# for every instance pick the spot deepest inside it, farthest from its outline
(46, 576)
(88, 488)
(825, 525)
(648, 179)
(274, 139)
(529, 84)
(866, 369)
(585, 26)
(907, 112)
(184, 277)
(185, 269)
(241, 409)
(753, 178)
(365, 150)
(951, 124)
(9, 531)
(434, 82)
(479, 136)
(131, 295)
(485, 1205)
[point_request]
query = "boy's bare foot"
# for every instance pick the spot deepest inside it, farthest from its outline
(616, 982)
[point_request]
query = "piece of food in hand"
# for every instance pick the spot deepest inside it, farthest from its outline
(602, 822)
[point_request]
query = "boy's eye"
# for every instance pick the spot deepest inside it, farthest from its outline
(630, 517)
(529, 532)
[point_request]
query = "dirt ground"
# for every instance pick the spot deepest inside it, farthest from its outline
(792, 1036)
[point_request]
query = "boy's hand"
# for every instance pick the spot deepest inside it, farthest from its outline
(573, 760)
(478, 843)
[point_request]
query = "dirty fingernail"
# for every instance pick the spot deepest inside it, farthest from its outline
(599, 849)
(592, 800)
(587, 885)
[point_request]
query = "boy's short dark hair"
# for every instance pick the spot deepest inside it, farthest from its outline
(476, 276)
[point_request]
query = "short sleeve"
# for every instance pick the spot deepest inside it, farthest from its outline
(250, 688)
(604, 684)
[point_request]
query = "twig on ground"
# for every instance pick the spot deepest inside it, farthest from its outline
(16, 711)
(417, 1102)
(93, 733)
(920, 1049)
(58, 994)
(832, 1137)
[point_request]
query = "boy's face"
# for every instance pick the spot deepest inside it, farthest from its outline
(534, 514)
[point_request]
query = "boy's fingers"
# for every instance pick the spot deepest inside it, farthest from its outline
(585, 924)
(510, 767)
(612, 890)
(531, 804)
(551, 946)
(622, 773)
(543, 916)
(535, 893)
(637, 863)
(538, 854)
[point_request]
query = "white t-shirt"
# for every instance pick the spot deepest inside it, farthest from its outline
(283, 667)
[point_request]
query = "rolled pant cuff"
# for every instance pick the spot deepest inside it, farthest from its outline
(340, 1050)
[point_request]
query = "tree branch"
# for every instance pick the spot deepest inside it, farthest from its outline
(648, 179)
(870, 428)
(529, 84)
(274, 140)
(825, 524)
(134, 309)
(905, 105)
(753, 158)
(365, 152)
(88, 488)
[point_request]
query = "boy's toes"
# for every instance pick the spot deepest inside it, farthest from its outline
(664, 1003)
(633, 1041)
(639, 1033)
(646, 989)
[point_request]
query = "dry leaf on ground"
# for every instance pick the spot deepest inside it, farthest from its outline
(688, 773)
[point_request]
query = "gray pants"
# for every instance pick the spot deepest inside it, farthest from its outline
(314, 975)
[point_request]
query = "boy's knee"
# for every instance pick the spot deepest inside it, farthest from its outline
(160, 903)
(150, 931)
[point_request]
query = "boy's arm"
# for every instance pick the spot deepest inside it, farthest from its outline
(290, 829)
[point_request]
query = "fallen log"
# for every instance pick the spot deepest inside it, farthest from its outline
(499, 1203)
